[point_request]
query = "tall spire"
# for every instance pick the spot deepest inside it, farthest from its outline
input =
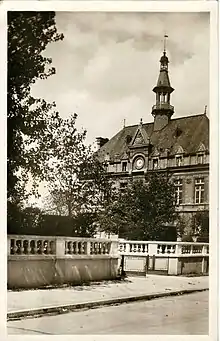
(162, 110)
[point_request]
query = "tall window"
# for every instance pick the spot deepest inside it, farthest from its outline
(155, 163)
(179, 161)
(124, 166)
(178, 191)
(200, 158)
(199, 191)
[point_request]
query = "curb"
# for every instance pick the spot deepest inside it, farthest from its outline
(63, 309)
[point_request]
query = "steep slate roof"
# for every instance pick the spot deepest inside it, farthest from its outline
(187, 132)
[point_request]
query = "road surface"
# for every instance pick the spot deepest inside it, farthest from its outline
(182, 315)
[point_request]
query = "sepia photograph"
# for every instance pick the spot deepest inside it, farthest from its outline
(108, 172)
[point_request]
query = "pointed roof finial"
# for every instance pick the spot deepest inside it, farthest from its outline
(205, 110)
(124, 123)
(164, 43)
(141, 121)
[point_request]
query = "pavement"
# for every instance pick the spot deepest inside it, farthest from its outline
(36, 303)
(176, 315)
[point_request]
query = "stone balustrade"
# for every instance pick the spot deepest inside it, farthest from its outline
(172, 258)
(39, 245)
(128, 247)
(39, 261)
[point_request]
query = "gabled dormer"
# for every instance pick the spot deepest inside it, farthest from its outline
(140, 137)
(201, 153)
(179, 152)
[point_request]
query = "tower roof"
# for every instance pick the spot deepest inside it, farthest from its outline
(163, 83)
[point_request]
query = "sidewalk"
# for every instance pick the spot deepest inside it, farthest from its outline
(132, 288)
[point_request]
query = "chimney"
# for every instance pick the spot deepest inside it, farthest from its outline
(101, 141)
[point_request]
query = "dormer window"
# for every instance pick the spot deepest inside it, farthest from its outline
(124, 166)
(200, 158)
(179, 161)
(155, 163)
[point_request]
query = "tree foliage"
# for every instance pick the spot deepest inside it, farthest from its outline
(142, 210)
(200, 226)
(77, 180)
(31, 122)
(23, 220)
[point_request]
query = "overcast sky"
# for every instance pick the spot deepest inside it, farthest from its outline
(108, 63)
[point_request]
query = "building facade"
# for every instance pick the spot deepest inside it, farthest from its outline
(179, 146)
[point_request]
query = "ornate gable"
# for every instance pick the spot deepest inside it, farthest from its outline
(178, 150)
(140, 137)
(155, 153)
(201, 148)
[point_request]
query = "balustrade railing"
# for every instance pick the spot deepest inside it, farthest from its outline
(31, 245)
(87, 247)
(62, 246)
(128, 247)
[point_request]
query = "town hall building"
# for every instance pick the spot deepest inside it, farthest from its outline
(177, 145)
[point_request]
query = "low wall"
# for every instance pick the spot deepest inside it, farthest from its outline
(35, 262)
(171, 258)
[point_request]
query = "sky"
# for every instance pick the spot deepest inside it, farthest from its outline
(108, 64)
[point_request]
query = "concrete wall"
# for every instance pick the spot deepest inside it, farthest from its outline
(167, 265)
(39, 272)
(196, 265)
(37, 261)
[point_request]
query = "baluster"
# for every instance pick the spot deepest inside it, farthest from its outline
(28, 246)
(94, 248)
(91, 248)
(71, 247)
(52, 249)
(146, 248)
(22, 247)
(87, 247)
(127, 247)
(48, 250)
(76, 248)
(101, 248)
(14, 247)
(108, 248)
(83, 248)
(18, 244)
(160, 249)
(35, 247)
(41, 246)
(191, 249)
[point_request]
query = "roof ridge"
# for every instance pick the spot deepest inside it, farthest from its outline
(173, 119)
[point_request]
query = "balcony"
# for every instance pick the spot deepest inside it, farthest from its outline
(166, 106)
